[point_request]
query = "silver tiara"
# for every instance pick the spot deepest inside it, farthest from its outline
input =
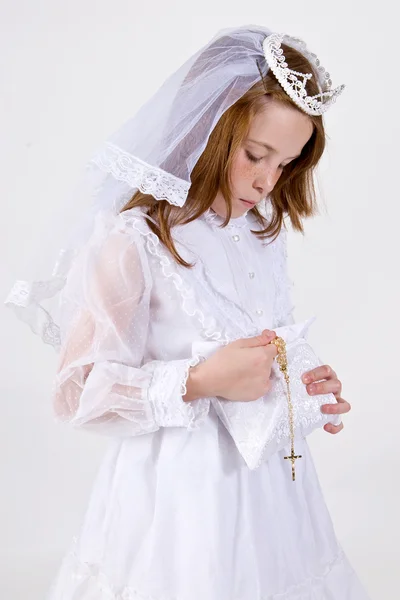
(293, 82)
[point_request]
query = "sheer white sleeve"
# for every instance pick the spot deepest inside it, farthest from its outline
(101, 383)
(284, 285)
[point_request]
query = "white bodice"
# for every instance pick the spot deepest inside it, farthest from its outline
(134, 316)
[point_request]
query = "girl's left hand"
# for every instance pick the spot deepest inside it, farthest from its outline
(330, 384)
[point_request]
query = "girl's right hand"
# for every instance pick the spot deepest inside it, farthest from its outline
(240, 371)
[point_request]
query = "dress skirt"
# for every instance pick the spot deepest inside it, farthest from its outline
(177, 515)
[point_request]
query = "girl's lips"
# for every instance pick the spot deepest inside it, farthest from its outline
(248, 202)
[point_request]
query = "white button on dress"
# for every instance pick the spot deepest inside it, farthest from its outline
(236, 238)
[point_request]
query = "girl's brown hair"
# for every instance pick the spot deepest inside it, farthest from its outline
(294, 192)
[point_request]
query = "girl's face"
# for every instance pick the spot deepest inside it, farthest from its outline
(276, 136)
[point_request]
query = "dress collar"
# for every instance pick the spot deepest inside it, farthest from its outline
(216, 220)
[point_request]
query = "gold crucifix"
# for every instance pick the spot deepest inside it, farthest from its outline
(293, 457)
(282, 361)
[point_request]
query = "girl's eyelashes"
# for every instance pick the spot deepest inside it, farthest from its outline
(254, 159)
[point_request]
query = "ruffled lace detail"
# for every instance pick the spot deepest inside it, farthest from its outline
(221, 310)
(90, 581)
(139, 174)
(192, 362)
(26, 300)
(189, 302)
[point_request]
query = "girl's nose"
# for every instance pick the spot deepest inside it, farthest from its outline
(265, 182)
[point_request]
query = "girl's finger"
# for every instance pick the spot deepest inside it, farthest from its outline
(333, 386)
(343, 401)
(340, 408)
(333, 428)
(321, 372)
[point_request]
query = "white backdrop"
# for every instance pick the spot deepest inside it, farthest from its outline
(70, 74)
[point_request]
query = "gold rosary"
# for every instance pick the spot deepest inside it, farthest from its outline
(282, 361)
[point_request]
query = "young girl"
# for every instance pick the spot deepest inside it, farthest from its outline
(170, 298)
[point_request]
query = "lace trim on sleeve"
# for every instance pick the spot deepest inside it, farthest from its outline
(167, 388)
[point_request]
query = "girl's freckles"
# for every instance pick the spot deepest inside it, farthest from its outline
(247, 170)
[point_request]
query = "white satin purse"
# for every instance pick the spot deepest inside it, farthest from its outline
(261, 427)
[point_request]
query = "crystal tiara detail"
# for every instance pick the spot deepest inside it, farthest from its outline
(293, 82)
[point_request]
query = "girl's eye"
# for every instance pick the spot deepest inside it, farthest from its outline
(252, 158)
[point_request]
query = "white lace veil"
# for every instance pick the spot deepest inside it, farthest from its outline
(155, 152)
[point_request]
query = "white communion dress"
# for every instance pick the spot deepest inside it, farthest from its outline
(175, 513)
